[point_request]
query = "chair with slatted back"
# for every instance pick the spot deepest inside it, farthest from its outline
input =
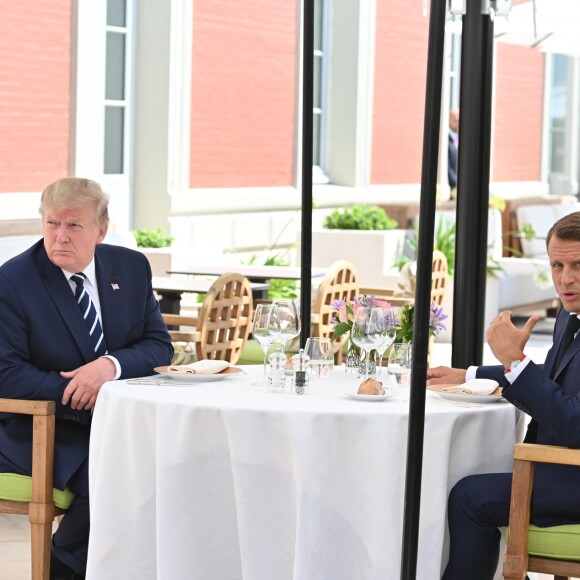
(35, 496)
(339, 283)
(439, 281)
(223, 324)
(553, 550)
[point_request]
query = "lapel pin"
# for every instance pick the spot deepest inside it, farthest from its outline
(115, 286)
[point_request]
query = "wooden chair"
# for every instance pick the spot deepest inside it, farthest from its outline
(339, 283)
(223, 324)
(554, 550)
(34, 496)
(439, 281)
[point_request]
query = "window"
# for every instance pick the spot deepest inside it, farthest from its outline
(558, 116)
(116, 88)
(319, 89)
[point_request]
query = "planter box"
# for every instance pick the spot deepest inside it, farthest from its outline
(372, 252)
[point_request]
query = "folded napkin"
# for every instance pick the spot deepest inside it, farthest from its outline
(474, 387)
(200, 367)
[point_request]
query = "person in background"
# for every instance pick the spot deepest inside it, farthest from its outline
(550, 394)
(74, 314)
(452, 150)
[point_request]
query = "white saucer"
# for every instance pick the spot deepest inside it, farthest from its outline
(465, 398)
(370, 398)
(195, 378)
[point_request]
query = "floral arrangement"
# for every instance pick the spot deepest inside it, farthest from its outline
(346, 313)
(407, 319)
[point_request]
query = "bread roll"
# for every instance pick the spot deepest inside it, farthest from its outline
(371, 387)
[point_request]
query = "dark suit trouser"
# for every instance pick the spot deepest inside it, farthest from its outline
(478, 506)
(70, 542)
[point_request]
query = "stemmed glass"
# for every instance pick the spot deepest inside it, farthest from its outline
(284, 321)
(382, 327)
(262, 332)
(363, 335)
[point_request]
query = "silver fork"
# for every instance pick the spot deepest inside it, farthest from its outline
(158, 382)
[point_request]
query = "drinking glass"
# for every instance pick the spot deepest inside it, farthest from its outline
(381, 326)
(363, 336)
(321, 356)
(399, 366)
(261, 331)
(284, 321)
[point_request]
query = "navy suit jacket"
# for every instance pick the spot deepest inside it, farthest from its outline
(42, 332)
(451, 162)
(555, 405)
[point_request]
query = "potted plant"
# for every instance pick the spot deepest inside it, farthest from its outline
(364, 235)
(156, 246)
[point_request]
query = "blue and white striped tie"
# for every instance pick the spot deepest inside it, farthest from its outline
(89, 314)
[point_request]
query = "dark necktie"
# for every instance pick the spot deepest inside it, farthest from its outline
(572, 327)
(90, 315)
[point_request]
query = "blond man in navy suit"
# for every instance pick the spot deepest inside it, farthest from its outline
(46, 351)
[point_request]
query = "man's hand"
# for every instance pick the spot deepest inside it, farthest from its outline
(445, 376)
(506, 340)
(86, 383)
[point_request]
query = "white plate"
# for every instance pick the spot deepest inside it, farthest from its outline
(465, 398)
(195, 378)
(370, 398)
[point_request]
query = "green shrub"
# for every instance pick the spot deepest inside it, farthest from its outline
(360, 217)
(152, 238)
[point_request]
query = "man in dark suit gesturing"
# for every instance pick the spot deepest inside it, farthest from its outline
(74, 314)
(550, 394)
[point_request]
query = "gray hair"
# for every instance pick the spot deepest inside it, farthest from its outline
(74, 192)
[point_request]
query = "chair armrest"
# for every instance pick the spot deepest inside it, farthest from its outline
(546, 454)
(27, 407)
(525, 455)
(42, 444)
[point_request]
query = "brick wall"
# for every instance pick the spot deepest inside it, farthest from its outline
(518, 113)
(35, 38)
(243, 93)
(399, 92)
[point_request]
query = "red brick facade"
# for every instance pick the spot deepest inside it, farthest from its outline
(243, 93)
(35, 58)
(399, 95)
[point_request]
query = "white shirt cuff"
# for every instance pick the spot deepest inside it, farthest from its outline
(117, 366)
(470, 373)
(513, 375)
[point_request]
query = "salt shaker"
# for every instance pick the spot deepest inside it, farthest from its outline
(300, 379)
(276, 377)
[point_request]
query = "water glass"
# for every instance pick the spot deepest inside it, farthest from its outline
(399, 366)
(321, 355)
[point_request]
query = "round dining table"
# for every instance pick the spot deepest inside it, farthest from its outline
(226, 481)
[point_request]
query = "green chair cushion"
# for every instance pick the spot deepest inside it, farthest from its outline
(558, 542)
(252, 353)
(15, 487)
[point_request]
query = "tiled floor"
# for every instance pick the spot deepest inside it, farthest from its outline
(15, 530)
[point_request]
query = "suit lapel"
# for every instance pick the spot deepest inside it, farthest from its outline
(572, 351)
(59, 290)
(111, 297)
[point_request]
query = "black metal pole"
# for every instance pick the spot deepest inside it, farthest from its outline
(306, 233)
(423, 290)
(472, 187)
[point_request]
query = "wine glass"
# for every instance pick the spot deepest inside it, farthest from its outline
(321, 356)
(363, 336)
(284, 321)
(261, 331)
(382, 327)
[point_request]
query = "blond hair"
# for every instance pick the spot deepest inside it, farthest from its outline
(74, 192)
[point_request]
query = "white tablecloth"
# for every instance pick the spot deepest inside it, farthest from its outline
(225, 481)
